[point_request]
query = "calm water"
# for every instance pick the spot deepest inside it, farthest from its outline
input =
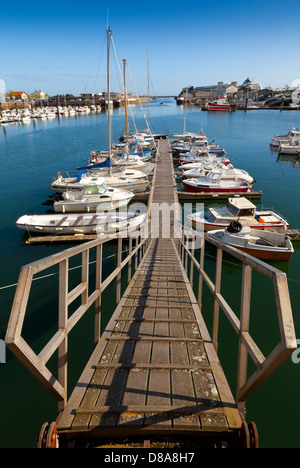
(31, 154)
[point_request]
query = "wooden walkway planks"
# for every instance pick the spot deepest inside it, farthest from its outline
(155, 370)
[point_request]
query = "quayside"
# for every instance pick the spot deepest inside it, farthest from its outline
(154, 377)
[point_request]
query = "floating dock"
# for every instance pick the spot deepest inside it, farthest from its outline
(198, 196)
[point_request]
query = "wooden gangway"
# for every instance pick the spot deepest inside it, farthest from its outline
(155, 371)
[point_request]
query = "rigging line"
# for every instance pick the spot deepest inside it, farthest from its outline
(56, 273)
(100, 53)
(98, 57)
(147, 123)
(241, 266)
(159, 111)
(117, 62)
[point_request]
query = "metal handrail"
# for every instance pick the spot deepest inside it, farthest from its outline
(265, 365)
(37, 364)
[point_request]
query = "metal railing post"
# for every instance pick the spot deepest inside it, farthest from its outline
(85, 276)
(99, 253)
(130, 259)
(244, 328)
(216, 314)
(62, 325)
(200, 284)
(118, 294)
(192, 262)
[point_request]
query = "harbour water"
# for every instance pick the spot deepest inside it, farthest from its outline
(31, 154)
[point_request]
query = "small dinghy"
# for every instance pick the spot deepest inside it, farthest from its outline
(264, 245)
(82, 223)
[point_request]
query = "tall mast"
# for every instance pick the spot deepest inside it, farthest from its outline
(148, 91)
(126, 115)
(108, 93)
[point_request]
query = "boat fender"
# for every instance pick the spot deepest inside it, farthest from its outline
(234, 227)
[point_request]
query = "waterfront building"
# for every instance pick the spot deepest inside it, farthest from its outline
(19, 95)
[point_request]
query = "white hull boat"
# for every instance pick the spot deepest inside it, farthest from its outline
(226, 173)
(239, 209)
(103, 224)
(201, 159)
(91, 199)
(293, 135)
(212, 161)
(133, 162)
(135, 185)
(188, 136)
(216, 185)
(290, 148)
(264, 245)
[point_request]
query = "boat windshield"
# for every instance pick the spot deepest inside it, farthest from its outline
(95, 189)
(240, 211)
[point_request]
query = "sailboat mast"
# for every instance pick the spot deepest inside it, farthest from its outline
(148, 90)
(108, 91)
(126, 113)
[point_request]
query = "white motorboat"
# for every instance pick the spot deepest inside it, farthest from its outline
(265, 245)
(211, 160)
(191, 159)
(240, 209)
(131, 162)
(185, 147)
(213, 183)
(276, 141)
(92, 198)
(50, 115)
(292, 147)
(82, 223)
(135, 182)
(189, 136)
(121, 182)
(200, 148)
(226, 173)
(25, 119)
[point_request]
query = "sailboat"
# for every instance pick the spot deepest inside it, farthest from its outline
(118, 158)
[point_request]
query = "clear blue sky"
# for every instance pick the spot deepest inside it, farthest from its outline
(59, 46)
